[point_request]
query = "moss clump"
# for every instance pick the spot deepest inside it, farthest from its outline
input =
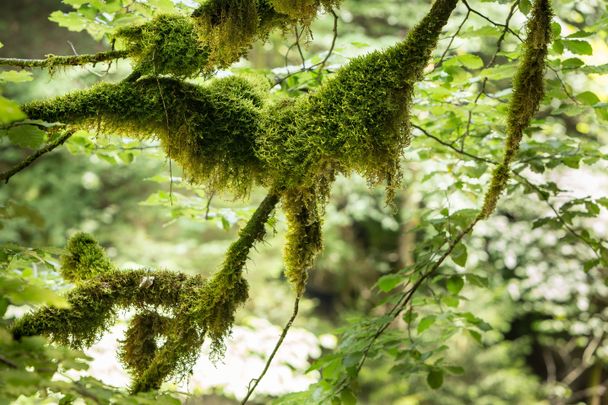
(528, 90)
(84, 259)
(304, 236)
(139, 348)
(167, 44)
(208, 130)
(302, 10)
(228, 27)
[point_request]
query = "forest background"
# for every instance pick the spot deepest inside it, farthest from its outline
(518, 314)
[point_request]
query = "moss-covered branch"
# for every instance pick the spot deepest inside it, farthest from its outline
(528, 90)
(208, 130)
(53, 61)
(359, 120)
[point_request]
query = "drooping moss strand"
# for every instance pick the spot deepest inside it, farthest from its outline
(528, 90)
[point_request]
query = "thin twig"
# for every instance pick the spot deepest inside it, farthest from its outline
(53, 60)
(317, 66)
(257, 380)
(7, 362)
(452, 38)
(5, 176)
(472, 10)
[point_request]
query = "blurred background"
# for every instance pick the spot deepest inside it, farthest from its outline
(534, 285)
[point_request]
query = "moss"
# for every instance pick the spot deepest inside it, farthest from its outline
(167, 44)
(228, 27)
(357, 121)
(139, 347)
(228, 289)
(304, 236)
(302, 10)
(528, 90)
(84, 259)
(196, 308)
(208, 130)
(227, 137)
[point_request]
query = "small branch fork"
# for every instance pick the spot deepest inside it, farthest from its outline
(5, 176)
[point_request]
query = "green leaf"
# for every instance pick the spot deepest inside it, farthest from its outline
(347, 397)
(467, 60)
(10, 111)
(572, 63)
(556, 29)
(558, 46)
(388, 282)
(500, 72)
(578, 47)
(588, 97)
(475, 335)
(16, 76)
(459, 255)
(435, 378)
(72, 21)
(426, 323)
(456, 370)
(28, 136)
(525, 6)
(455, 284)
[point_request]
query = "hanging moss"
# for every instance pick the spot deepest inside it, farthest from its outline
(84, 259)
(304, 236)
(138, 349)
(208, 130)
(528, 90)
(197, 308)
(167, 44)
(302, 10)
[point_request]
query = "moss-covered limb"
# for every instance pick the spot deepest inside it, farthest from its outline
(93, 305)
(304, 236)
(227, 289)
(208, 130)
(28, 161)
(359, 119)
(528, 90)
(52, 61)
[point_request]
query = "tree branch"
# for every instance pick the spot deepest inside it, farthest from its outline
(52, 61)
(5, 176)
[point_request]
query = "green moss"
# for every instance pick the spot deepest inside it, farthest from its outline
(357, 121)
(302, 10)
(84, 259)
(167, 44)
(304, 236)
(208, 130)
(227, 137)
(528, 90)
(195, 308)
(138, 349)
